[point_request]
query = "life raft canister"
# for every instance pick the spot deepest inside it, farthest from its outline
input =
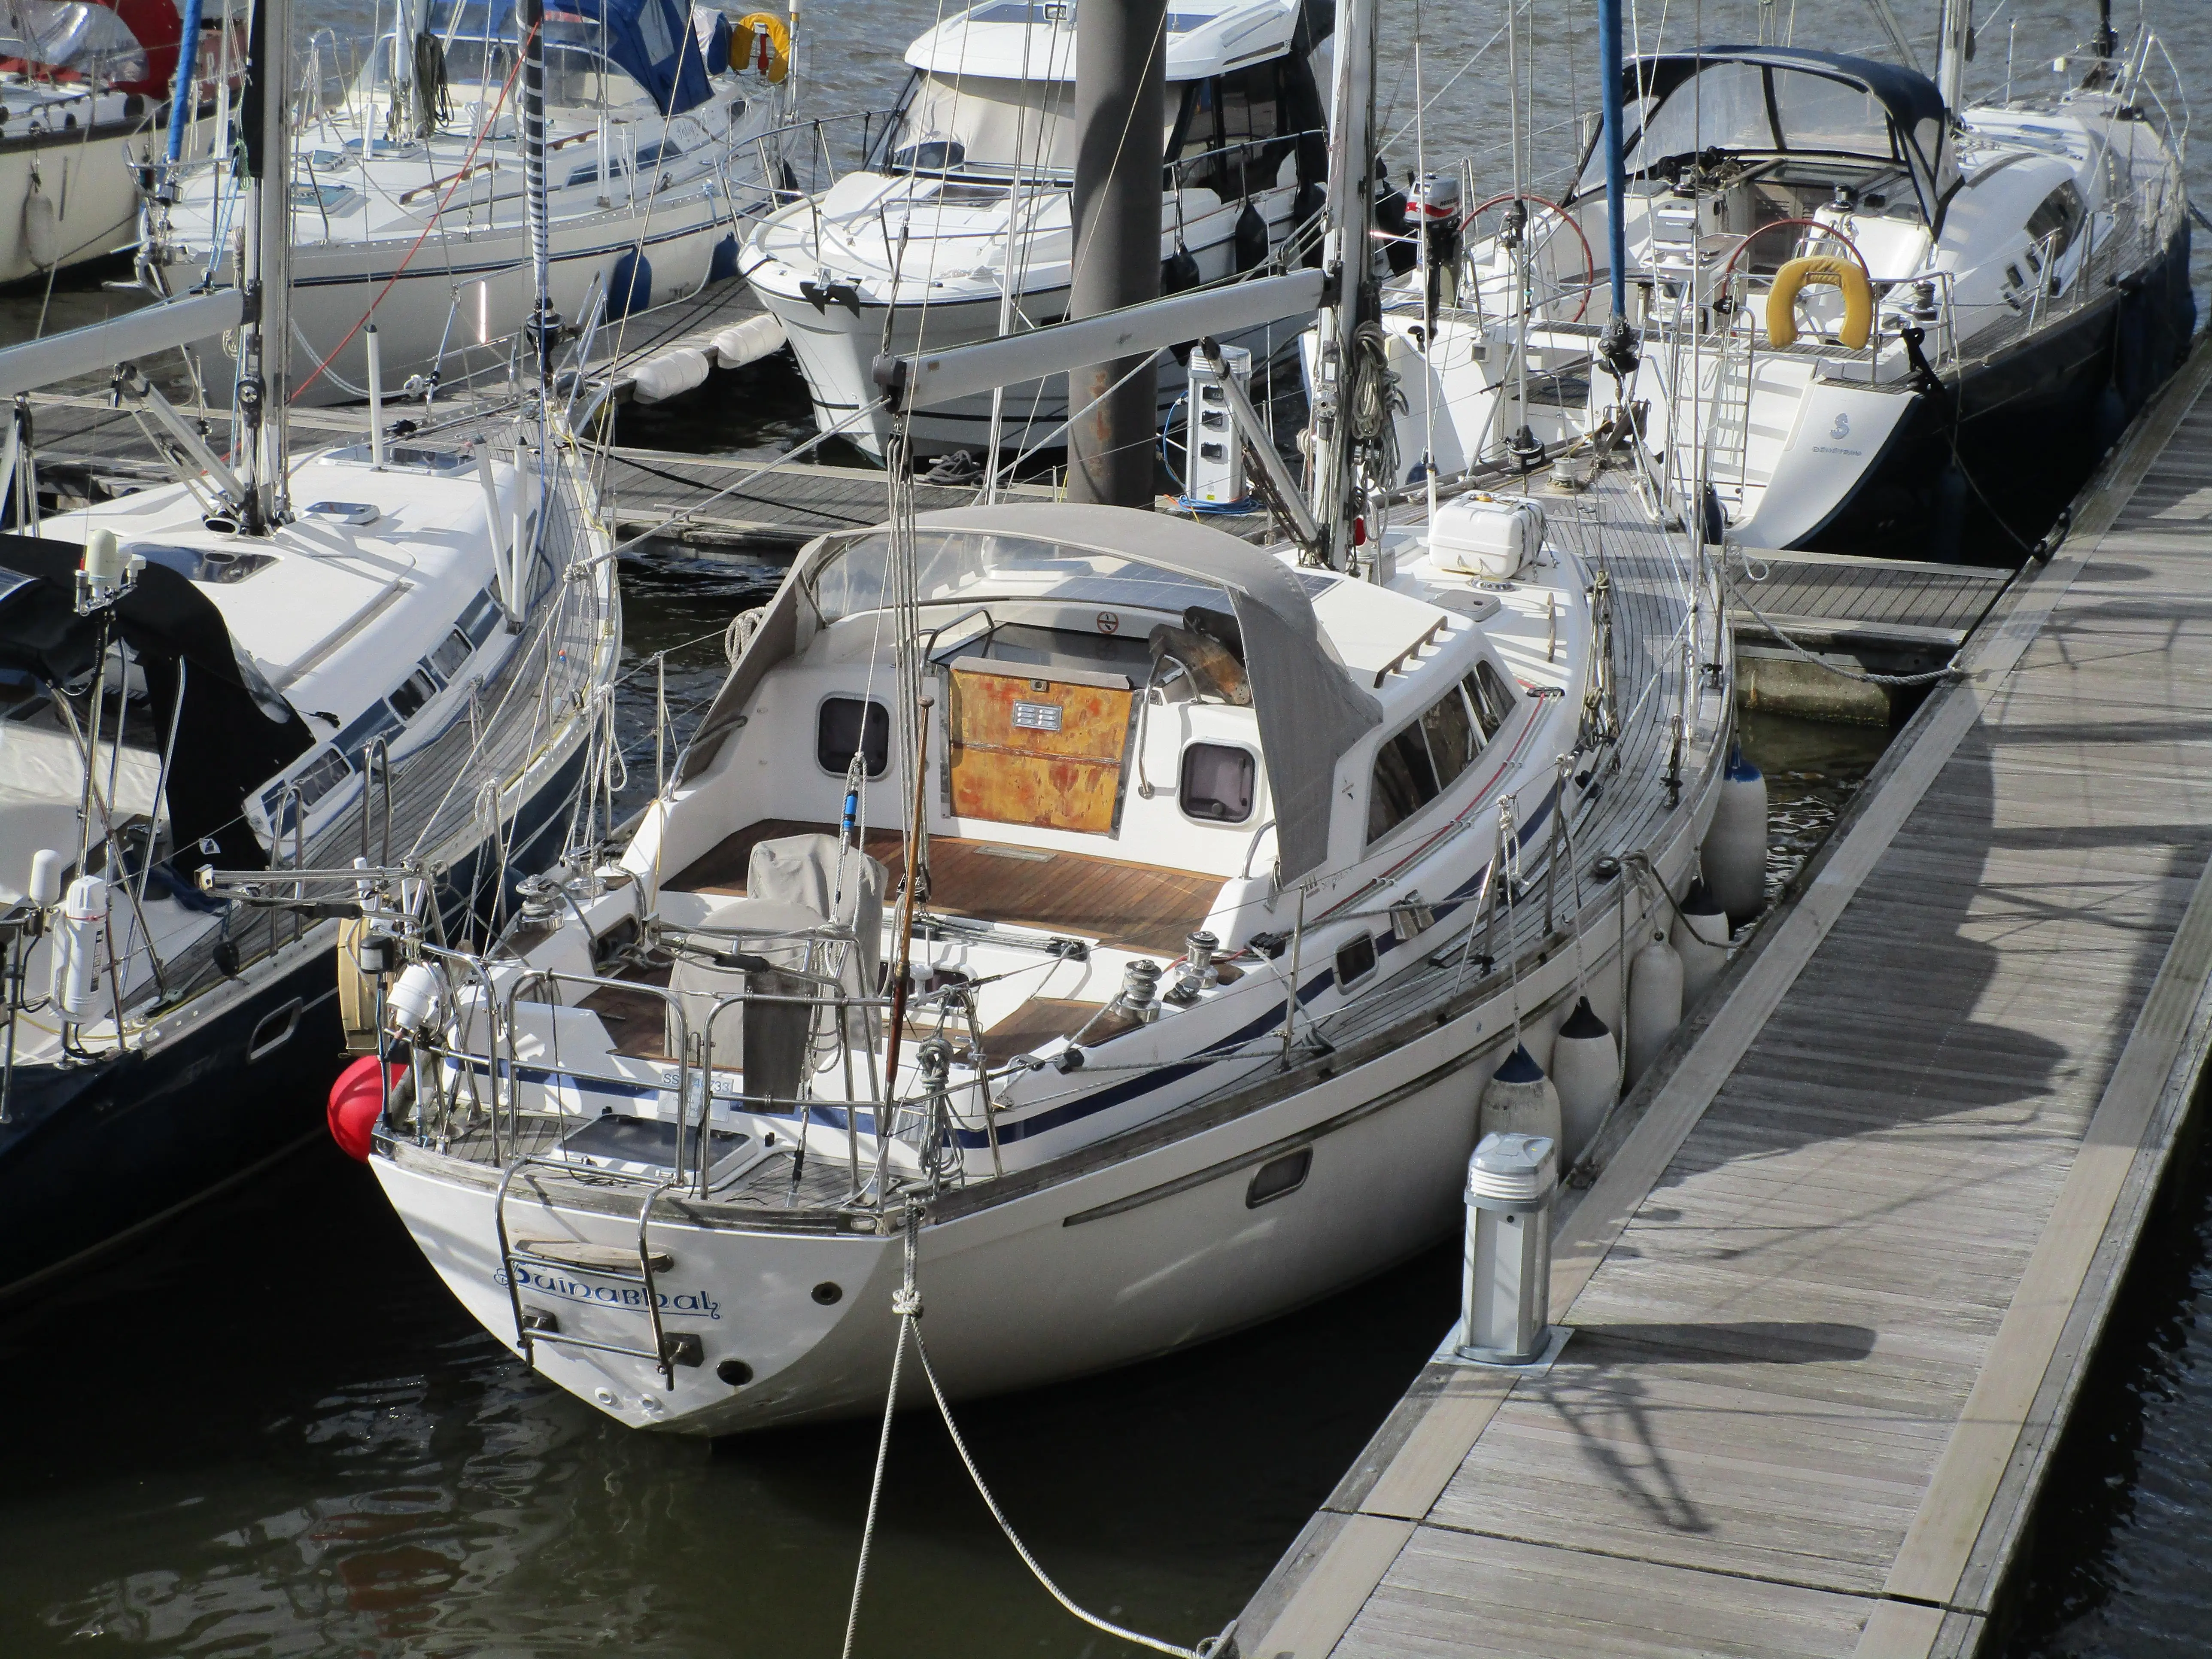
(1822, 270)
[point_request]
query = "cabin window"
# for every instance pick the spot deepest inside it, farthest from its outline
(1218, 782)
(1356, 960)
(1226, 117)
(1404, 781)
(418, 688)
(2058, 217)
(845, 725)
(1425, 759)
(480, 618)
(1493, 700)
(318, 777)
(1451, 736)
(1279, 1177)
(453, 651)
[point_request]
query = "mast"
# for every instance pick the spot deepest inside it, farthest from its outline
(1352, 298)
(265, 386)
(1618, 347)
(1121, 81)
(530, 18)
(1955, 47)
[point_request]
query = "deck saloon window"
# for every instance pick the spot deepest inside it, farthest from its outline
(847, 724)
(1420, 762)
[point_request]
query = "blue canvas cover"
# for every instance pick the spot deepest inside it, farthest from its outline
(651, 41)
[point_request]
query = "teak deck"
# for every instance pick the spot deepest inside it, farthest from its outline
(1843, 1266)
(1133, 907)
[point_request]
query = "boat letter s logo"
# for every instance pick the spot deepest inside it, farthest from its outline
(1842, 427)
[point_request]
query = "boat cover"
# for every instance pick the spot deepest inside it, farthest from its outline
(233, 731)
(1309, 708)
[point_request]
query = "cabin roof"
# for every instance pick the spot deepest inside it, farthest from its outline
(1034, 40)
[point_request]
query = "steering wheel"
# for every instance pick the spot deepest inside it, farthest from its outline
(1542, 230)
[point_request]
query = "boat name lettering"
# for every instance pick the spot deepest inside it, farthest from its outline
(631, 1297)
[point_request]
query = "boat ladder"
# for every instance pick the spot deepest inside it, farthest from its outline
(610, 1261)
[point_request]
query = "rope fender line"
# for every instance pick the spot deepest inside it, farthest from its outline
(906, 1303)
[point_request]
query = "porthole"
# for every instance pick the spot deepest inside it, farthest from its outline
(1279, 1177)
(845, 725)
(1219, 781)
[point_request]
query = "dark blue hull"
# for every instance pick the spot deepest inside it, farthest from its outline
(92, 1153)
(1980, 472)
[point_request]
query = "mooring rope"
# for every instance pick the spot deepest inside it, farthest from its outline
(1949, 670)
(906, 1303)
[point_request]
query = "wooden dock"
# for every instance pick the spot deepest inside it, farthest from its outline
(1848, 1249)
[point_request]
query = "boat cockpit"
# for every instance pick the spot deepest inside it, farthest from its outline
(1724, 143)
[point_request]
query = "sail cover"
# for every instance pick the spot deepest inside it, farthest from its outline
(650, 40)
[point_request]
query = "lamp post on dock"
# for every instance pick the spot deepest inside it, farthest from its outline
(1120, 74)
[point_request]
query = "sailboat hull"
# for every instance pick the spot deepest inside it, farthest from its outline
(94, 1152)
(1978, 473)
(1135, 1257)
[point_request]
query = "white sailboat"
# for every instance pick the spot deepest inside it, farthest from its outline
(408, 205)
(84, 109)
(1880, 316)
(392, 652)
(1105, 930)
(956, 229)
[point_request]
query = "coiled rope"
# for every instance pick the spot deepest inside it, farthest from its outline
(906, 1303)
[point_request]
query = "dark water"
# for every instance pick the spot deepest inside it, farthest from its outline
(269, 1431)
(276, 1433)
(2118, 1567)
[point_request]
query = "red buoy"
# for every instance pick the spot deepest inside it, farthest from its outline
(356, 1101)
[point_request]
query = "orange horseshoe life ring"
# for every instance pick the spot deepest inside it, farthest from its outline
(767, 40)
(1826, 270)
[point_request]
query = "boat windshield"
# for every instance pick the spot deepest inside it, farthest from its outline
(75, 37)
(954, 565)
(1763, 109)
(982, 122)
(985, 123)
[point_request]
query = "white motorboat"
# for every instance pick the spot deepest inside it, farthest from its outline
(408, 204)
(1242, 878)
(1882, 318)
(84, 97)
(399, 653)
(956, 228)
